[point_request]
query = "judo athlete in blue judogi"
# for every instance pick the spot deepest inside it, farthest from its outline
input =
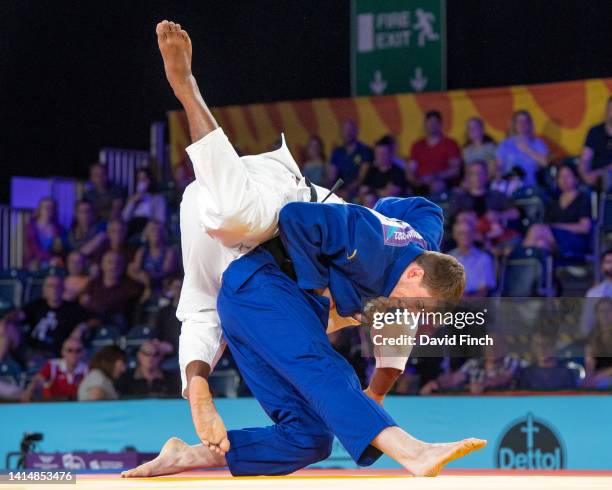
(275, 328)
(275, 325)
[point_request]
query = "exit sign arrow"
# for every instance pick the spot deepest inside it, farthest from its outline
(419, 82)
(378, 84)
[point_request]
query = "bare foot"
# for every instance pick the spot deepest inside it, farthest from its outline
(207, 422)
(175, 457)
(435, 456)
(175, 47)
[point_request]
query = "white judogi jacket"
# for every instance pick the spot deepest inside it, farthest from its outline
(230, 208)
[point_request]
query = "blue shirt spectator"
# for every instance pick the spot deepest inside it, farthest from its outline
(479, 267)
(351, 160)
(523, 149)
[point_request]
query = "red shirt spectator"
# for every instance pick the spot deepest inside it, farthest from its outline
(59, 378)
(434, 159)
(59, 381)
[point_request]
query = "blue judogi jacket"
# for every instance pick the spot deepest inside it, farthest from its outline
(357, 252)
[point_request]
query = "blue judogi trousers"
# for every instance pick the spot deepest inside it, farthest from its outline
(276, 333)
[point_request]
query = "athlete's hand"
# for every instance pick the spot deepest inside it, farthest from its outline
(206, 420)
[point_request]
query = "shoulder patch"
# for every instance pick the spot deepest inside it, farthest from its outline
(397, 233)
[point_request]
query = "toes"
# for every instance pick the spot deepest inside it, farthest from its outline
(225, 445)
(162, 27)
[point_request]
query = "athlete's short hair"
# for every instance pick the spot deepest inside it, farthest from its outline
(444, 276)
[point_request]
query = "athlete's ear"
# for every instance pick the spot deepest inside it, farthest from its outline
(413, 271)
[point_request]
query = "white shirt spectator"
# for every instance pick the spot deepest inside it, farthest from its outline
(97, 379)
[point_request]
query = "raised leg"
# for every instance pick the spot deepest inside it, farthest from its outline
(176, 50)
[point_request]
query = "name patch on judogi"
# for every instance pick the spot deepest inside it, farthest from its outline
(400, 235)
(397, 233)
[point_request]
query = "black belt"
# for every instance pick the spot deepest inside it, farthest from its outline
(313, 191)
(275, 245)
(277, 249)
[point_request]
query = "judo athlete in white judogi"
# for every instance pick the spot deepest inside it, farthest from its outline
(232, 207)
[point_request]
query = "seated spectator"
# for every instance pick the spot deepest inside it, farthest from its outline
(85, 236)
(106, 366)
(497, 370)
(167, 326)
(105, 198)
(9, 343)
(50, 320)
(598, 350)
(479, 146)
(155, 260)
(547, 373)
(59, 378)
(145, 204)
(596, 158)
(601, 290)
(116, 235)
(44, 244)
(604, 288)
(384, 178)
(477, 196)
(522, 148)
(539, 236)
(569, 216)
(498, 239)
(435, 161)
(315, 167)
(506, 183)
(112, 295)
(351, 161)
(76, 280)
(148, 379)
(479, 266)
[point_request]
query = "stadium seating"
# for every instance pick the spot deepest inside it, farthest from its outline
(11, 372)
(531, 206)
(104, 336)
(11, 290)
(137, 336)
(527, 272)
(33, 283)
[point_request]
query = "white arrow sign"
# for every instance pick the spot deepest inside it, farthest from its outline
(419, 82)
(378, 84)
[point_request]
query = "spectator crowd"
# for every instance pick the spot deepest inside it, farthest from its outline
(104, 326)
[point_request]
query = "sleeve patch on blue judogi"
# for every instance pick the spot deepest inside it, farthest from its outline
(397, 233)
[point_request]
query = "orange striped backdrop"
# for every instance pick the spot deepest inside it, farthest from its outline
(562, 114)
